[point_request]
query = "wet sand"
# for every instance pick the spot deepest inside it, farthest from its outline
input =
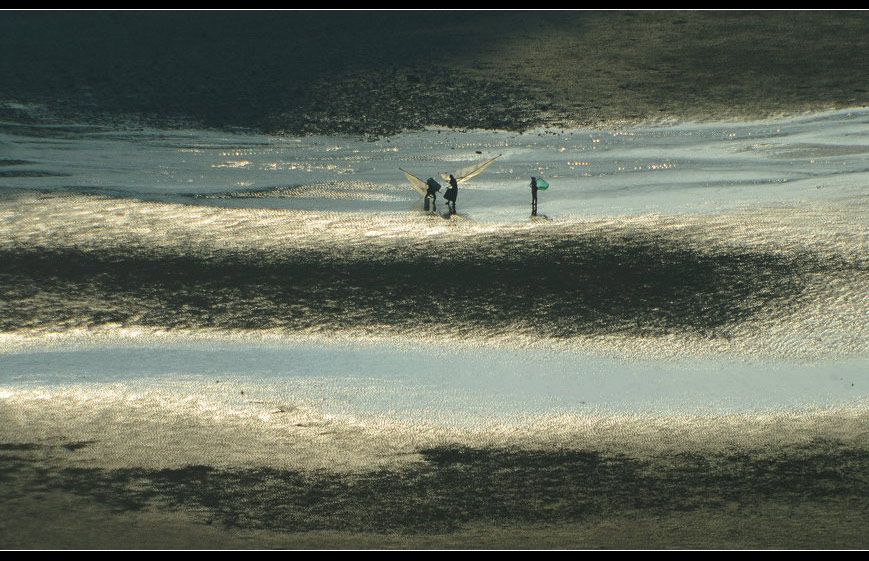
(376, 73)
(78, 472)
(126, 471)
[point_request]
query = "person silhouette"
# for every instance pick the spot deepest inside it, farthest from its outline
(431, 193)
(451, 194)
(533, 196)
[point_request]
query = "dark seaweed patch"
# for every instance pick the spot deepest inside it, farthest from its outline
(456, 485)
(555, 285)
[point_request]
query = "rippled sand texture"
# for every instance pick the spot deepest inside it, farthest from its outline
(115, 469)
(792, 283)
(204, 465)
(211, 337)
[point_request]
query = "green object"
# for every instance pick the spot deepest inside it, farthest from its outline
(541, 184)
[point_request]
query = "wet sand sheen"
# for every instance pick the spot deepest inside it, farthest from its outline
(291, 479)
(114, 469)
(186, 472)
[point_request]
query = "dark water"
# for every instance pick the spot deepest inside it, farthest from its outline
(379, 72)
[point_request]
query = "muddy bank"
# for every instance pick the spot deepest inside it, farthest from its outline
(791, 482)
(376, 73)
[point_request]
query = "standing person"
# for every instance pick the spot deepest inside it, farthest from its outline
(533, 196)
(431, 193)
(451, 194)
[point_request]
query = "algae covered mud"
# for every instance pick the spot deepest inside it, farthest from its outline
(376, 73)
(238, 329)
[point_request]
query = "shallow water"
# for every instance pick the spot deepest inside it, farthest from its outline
(626, 169)
(452, 386)
(708, 242)
(219, 340)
